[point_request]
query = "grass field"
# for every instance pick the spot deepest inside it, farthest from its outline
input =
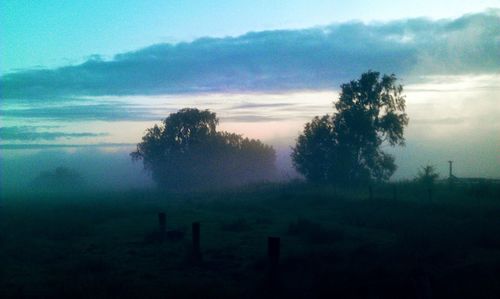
(334, 243)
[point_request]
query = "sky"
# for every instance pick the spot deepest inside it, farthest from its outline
(48, 33)
(80, 77)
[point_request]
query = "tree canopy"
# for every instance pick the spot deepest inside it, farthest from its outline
(186, 152)
(59, 179)
(427, 176)
(346, 147)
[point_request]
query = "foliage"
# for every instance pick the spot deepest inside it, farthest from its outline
(427, 176)
(186, 152)
(365, 245)
(312, 156)
(346, 148)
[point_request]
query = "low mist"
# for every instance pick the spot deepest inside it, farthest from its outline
(109, 169)
(99, 170)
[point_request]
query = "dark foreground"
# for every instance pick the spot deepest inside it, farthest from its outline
(333, 244)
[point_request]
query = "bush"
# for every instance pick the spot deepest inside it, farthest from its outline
(59, 179)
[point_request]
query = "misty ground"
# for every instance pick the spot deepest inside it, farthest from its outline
(334, 243)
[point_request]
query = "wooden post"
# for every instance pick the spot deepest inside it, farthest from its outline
(162, 222)
(423, 287)
(196, 242)
(273, 252)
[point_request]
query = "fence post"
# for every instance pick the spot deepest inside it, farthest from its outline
(273, 253)
(162, 222)
(162, 226)
(196, 254)
(423, 285)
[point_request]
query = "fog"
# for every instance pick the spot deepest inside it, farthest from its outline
(162, 171)
(111, 168)
(451, 118)
(100, 169)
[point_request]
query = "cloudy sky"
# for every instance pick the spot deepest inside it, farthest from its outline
(98, 73)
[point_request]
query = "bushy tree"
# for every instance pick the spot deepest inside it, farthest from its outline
(427, 176)
(312, 156)
(346, 148)
(186, 152)
(59, 179)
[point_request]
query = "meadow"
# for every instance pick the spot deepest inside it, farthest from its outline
(335, 243)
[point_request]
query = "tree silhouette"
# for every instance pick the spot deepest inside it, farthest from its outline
(427, 176)
(59, 179)
(346, 147)
(186, 152)
(313, 156)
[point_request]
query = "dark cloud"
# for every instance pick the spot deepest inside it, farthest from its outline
(247, 117)
(439, 121)
(261, 105)
(31, 133)
(32, 146)
(316, 58)
(105, 111)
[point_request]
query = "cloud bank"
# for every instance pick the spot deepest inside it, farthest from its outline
(32, 133)
(112, 111)
(310, 59)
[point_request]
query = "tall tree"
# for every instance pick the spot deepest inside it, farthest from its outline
(346, 148)
(186, 152)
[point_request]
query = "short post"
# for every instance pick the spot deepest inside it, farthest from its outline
(196, 254)
(273, 252)
(162, 222)
(423, 286)
(370, 192)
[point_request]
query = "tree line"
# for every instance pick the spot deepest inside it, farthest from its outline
(187, 152)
